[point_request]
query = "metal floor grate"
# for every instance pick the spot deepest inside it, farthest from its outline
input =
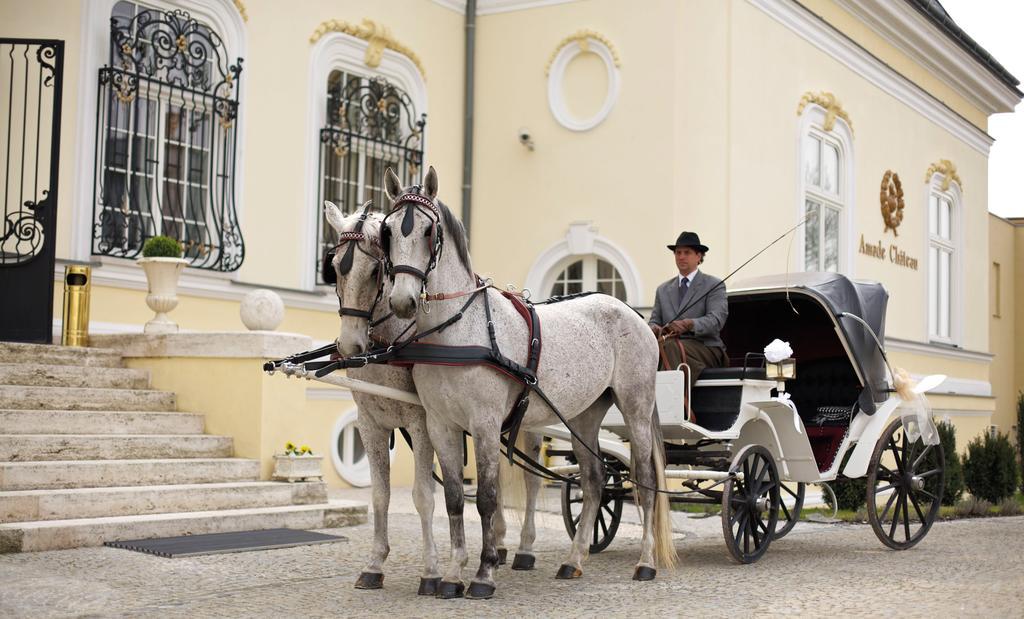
(216, 543)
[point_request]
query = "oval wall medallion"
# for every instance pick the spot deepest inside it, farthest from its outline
(579, 43)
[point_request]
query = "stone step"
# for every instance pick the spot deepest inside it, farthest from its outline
(98, 422)
(34, 447)
(107, 473)
(59, 534)
(38, 375)
(16, 352)
(31, 505)
(85, 399)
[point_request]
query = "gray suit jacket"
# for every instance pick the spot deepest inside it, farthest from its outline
(708, 314)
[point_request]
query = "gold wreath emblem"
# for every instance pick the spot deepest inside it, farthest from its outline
(891, 199)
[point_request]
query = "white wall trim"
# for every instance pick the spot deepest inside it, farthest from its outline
(222, 16)
(813, 116)
(944, 414)
(936, 350)
(336, 50)
(556, 85)
(120, 273)
(582, 239)
(960, 386)
(490, 7)
(814, 30)
(915, 35)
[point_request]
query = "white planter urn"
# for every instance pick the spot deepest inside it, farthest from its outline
(162, 276)
(295, 468)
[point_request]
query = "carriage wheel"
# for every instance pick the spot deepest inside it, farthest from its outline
(609, 514)
(750, 507)
(788, 515)
(905, 483)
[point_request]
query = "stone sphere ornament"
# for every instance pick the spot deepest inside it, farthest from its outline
(262, 310)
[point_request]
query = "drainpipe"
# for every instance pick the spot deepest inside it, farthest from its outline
(467, 126)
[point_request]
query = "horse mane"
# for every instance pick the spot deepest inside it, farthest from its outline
(457, 234)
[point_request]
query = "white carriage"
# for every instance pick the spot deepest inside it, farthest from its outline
(755, 434)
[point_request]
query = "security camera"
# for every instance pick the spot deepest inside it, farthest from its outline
(524, 138)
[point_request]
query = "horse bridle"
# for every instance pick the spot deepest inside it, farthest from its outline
(351, 240)
(413, 202)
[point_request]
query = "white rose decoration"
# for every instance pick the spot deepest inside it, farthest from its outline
(777, 351)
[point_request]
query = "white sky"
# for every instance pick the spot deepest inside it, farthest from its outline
(996, 26)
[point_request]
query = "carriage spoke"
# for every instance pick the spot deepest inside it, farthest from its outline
(895, 518)
(888, 505)
(928, 494)
(884, 488)
(896, 454)
(762, 526)
(917, 508)
(576, 520)
(735, 516)
(924, 453)
(930, 473)
(603, 525)
(785, 510)
(753, 532)
(906, 517)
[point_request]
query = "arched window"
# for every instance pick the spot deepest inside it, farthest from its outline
(371, 125)
(166, 138)
(944, 233)
(826, 191)
(348, 453)
(589, 273)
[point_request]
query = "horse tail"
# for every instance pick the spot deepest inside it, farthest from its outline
(513, 483)
(664, 548)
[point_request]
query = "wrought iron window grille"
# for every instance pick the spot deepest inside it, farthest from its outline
(371, 124)
(166, 140)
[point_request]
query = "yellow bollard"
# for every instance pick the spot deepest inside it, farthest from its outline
(77, 286)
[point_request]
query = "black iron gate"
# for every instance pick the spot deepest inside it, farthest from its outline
(31, 82)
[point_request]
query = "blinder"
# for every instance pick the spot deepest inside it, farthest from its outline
(351, 240)
(413, 202)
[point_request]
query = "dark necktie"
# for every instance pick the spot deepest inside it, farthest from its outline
(684, 285)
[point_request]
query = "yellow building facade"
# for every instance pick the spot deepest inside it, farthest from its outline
(600, 130)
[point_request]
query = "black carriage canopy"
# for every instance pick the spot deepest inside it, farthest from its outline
(838, 361)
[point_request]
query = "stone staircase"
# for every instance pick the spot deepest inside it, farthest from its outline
(90, 454)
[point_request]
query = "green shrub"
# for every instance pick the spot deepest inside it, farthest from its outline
(161, 247)
(850, 493)
(972, 507)
(990, 469)
(954, 468)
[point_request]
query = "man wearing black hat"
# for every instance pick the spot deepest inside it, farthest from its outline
(702, 296)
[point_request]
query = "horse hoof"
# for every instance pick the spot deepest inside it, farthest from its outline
(450, 590)
(568, 572)
(428, 586)
(523, 562)
(502, 556)
(370, 580)
(644, 573)
(479, 591)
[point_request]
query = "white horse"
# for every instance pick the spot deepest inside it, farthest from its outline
(595, 351)
(358, 269)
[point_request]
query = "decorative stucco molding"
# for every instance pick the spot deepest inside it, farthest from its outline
(583, 37)
(947, 169)
(241, 10)
(377, 35)
(833, 108)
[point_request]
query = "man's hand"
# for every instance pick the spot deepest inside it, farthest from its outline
(656, 329)
(678, 327)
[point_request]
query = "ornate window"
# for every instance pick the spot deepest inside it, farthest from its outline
(371, 124)
(823, 202)
(166, 139)
(586, 274)
(943, 219)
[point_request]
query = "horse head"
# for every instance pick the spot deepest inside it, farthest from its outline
(358, 269)
(414, 235)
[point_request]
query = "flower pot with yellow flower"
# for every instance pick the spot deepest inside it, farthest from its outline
(297, 464)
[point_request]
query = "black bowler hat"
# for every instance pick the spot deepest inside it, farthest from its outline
(689, 239)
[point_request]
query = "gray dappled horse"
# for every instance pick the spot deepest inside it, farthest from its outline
(358, 268)
(595, 351)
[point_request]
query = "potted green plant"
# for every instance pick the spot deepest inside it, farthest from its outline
(162, 262)
(297, 463)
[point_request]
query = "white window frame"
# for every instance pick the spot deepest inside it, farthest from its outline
(221, 16)
(812, 123)
(954, 246)
(580, 241)
(338, 51)
(355, 473)
(589, 279)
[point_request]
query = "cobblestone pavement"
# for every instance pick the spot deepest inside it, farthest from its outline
(963, 568)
